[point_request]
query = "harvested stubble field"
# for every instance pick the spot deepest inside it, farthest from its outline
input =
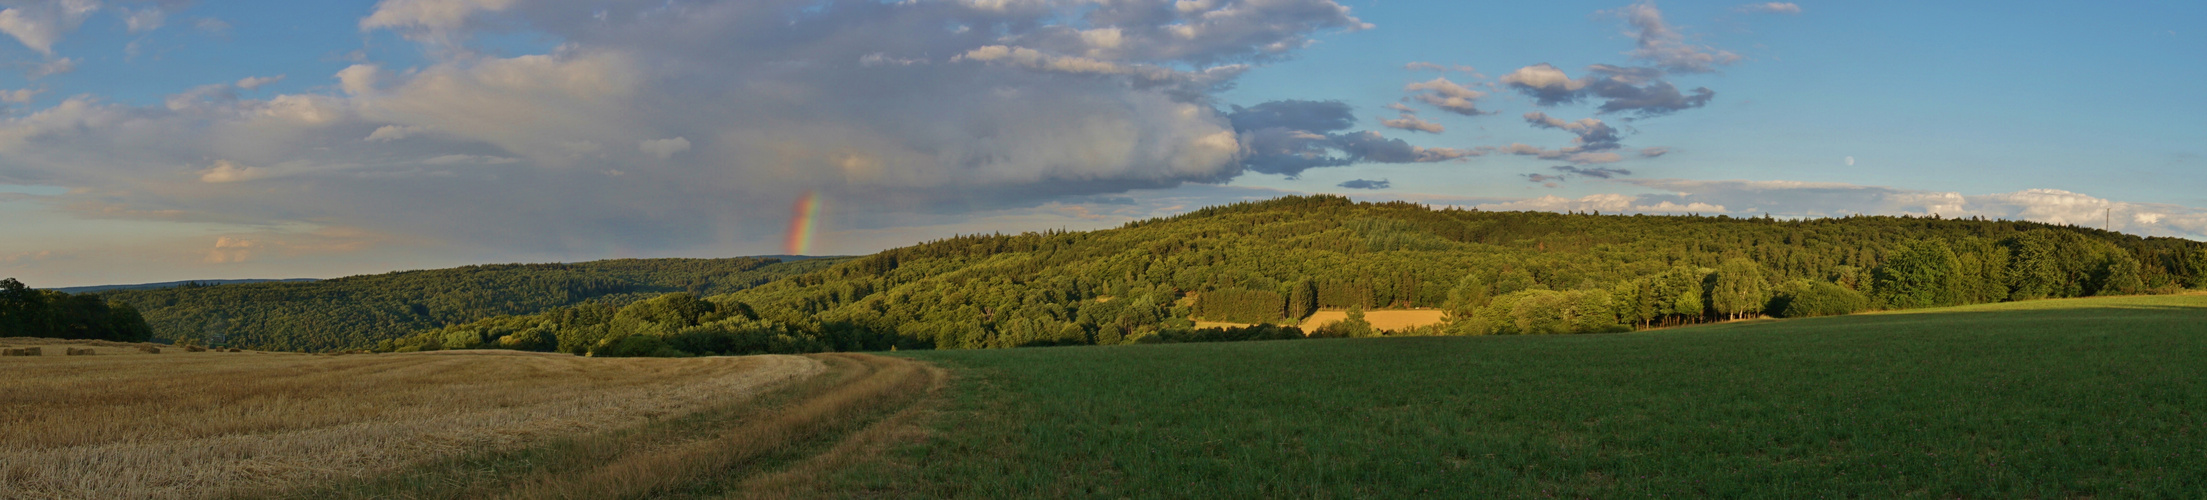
(195, 425)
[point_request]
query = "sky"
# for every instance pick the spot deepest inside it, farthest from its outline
(160, 140)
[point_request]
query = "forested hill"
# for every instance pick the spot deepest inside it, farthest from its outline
(171, 284)
(358, 311)
(1287, 257)
(1280, 260)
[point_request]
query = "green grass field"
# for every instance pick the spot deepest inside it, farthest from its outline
(2072, 398)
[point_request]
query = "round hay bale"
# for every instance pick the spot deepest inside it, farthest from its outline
(150, 349)
(72, 351)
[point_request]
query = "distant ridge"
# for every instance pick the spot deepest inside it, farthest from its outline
(358, 311)
(173, 284)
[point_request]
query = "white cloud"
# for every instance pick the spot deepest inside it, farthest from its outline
(1795, 199)
(1407, 121)
(232, 250)
(39, 25)
(1771, 8)
(143, 20)
(256, 82)
(199, 96)
(1606, 203)
(884, 59)
(470, 160)
(226, 171)
(53, 67)
(1447, 95)
(664, 148)
(1547, 83)
(1429, 66)
(19, 96)
(428, 18)
(1812, 199)
(388, 133)
(211, 26)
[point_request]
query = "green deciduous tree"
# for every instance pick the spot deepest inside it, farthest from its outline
(1739, 289)
(27, 312)
(1822, 298)
(1921, 274)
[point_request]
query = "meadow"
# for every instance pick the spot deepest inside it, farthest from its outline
(455, 424)
(2101, 397)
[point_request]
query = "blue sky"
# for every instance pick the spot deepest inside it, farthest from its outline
(160, 140)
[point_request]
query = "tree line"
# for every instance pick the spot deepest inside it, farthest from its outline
(359, 311)
(27, 312)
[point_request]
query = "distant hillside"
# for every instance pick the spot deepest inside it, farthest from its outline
(171, 284)
(1496, 272)
(358, 311)
(1281, 260)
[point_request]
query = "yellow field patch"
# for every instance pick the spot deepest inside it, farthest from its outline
(1389, 320)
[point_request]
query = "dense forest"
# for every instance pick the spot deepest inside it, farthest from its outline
(25, 312)
(358, 311)
(1277, 261)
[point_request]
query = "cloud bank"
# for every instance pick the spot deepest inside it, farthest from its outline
(662, 125)
(1792, 199)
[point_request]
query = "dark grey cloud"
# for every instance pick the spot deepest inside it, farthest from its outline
(1598, 172)
(1370, 146)
(1640, 92)
(1573, 154)
(1312, 116)
(1288, 137)
(1593, 134)
(1367, 184)
(1566, 172)
(1666, 48)
(1635, 92)
(1643, 97)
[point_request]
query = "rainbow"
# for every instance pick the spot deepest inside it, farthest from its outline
(801, 221)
